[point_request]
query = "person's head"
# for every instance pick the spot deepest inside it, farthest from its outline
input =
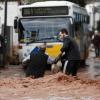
(63, 33)
(43, 47)
(96, 32)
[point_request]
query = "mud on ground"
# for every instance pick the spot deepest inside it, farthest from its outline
(14, 86)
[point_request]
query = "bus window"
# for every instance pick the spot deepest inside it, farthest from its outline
(88, 20)
(44, 29)
(79, 29)
(20, 31)
(33, 36)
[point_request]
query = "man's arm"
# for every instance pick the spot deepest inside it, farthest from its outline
(63, 49)
(66, 44)
(50, 60)
(58, 58)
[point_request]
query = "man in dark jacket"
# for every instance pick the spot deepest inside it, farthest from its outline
(71, 53)
(38, 63)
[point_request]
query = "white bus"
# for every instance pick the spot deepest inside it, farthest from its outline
(41, 22)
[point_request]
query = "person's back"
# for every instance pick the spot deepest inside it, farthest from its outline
(70, 48)
(38, 63)
(96, 40)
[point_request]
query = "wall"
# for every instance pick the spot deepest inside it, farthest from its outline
(11, 13)
(12, 37)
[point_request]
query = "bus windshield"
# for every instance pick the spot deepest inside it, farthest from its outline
(42, 29)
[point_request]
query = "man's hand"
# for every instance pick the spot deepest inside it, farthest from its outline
(57, 58)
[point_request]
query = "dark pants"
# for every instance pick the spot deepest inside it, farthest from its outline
(35, 72)
(72, 67)
(97, 51)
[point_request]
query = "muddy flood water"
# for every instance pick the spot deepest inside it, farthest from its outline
(15, 86)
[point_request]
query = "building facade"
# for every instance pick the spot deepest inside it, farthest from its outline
(94, 13)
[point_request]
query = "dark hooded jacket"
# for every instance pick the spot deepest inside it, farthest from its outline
(38, 63)
(71, 49)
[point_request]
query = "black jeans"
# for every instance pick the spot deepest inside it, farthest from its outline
(72, 67)
(97, 51)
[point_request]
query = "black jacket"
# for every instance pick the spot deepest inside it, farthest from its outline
(71, 49)
(38, 64)
(96, 40)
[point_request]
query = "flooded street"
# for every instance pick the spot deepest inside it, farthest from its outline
(14, 85)
(43, 32)
(51, 87)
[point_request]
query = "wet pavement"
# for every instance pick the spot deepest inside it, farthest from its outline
(12, 71)
(94, 65)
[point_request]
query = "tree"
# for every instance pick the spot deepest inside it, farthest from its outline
(80, 2)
